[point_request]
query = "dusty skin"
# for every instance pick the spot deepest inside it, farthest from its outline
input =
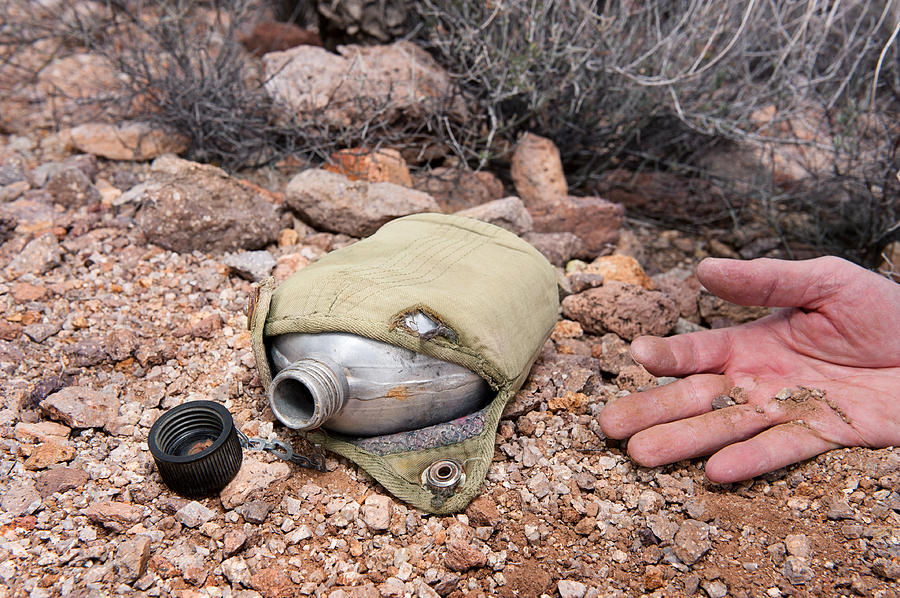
(838, 334)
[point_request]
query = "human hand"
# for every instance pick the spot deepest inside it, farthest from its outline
(839, 339)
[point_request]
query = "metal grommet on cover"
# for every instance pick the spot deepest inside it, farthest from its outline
(443, 475)
(196, 448)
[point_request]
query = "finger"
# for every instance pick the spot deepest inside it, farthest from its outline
(774, 283)
(772, 449)
(684, 354)
(681, 399)
(696, 436)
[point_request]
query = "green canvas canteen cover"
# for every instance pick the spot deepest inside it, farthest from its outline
(496, 299)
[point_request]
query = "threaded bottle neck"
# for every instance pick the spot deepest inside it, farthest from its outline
(307, 393)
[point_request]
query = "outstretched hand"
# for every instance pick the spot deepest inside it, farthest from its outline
(821, 374)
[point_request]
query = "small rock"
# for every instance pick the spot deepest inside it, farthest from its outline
(508, 213)
(251, 265)
(117, 516)
(797, 570)
(132, 556)
(9, 331)
(21, 498)
(332, 202)
(456, 189)
(558, 248)
(375, 166)
(253, 477)
(483, 511)
(25, 292)
(715, 588)
(650, 501)
(120, 344)
(39, 256)
(627, 310)
(571, 589)
(81, 407)
(886, 568)
(593, 219)
(272, 582)
(254, 511)
(236, 571)
(696, 509)
(692, 541)
(194, 514)
(71, 187)
(839, 508)
(462, 556)
(49, 453)
(621, 268)
(233, 542)
(571, 402)
(60, 479)
(798, 545)
(376, 512)
(537, 170)
(125, 141)
(42, 331)
(86, 353)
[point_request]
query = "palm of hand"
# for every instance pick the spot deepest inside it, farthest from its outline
(806, 380)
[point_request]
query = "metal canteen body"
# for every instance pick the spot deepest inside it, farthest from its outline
(361, 387)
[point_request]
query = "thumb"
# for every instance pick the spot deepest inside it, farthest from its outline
(775, 283)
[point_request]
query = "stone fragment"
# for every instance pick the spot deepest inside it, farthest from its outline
(125, 141)
(132, 556)
(558, 248)
(614, 354)
(462, 555)
(508, 213)
(715, 588)
(537, 170)
(650, 501)
(236, 571)
(621, 268)
(86, 353)
(254, 476)
(798, 545)
(41, 331)
(117, 516)
(20, 498)
(254, 511)
(24, 292)
(275, 36)
(627, 310)
(376, 512)
(692, 541)
(251, 265)
(81, 407)
(194, 514)
(233, 541)
(186, 206)
(120, 344)
(571, 402)
(375, 166)
(580, 281)
(456, 189)
(797, 570)
(358, 83)
(839, 508)
(72, 188)
(483, 511)
(38, 257)
(332, 202)
(60, 479)
(594, 220)
(272, 582)
(886, 568)
(40, 431)
(570, 589)
(683, 288)
(716, 310)
(9, 331)
(49, 452)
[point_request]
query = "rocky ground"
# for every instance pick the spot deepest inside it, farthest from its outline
(103, 330)
(125, 283)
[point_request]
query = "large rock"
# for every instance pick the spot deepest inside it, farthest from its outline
(537, 171)
(360, 83)
(125, 141)
(629, 311)
(558, 248)
(186, 206)
(595, 220)
(384, 165)
(81, 407)
(457, 189)
(508, 213)
(332, 202)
